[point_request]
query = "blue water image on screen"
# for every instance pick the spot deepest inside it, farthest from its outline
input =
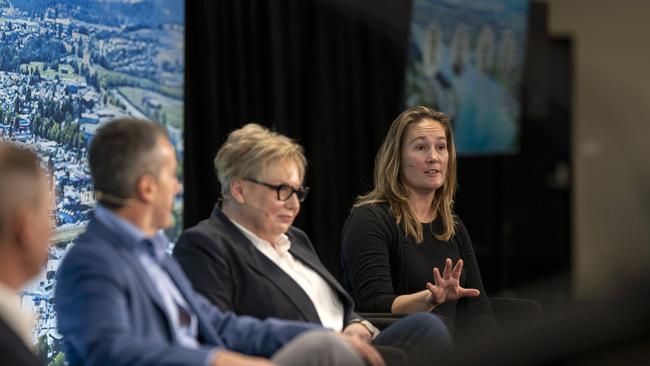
(466, 59)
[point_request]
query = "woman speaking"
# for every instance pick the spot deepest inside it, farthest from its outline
(399, 235)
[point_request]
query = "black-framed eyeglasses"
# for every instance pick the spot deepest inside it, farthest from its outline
(284, 191)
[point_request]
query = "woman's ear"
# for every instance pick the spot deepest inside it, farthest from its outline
(237, 190)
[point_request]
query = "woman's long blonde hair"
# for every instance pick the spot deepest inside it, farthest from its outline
(389, 186)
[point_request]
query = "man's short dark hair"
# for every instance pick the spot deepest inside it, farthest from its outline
(121, 152)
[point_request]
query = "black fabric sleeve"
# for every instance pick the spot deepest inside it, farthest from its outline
(475, 313)
(365, 260)
(207, 268)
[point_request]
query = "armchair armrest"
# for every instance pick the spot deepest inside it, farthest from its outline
(381, 320)
(511, 314)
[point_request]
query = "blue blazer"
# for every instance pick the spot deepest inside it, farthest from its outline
(110, 313)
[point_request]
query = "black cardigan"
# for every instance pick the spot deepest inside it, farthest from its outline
(380, 263)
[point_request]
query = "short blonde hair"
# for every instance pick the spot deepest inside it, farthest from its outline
(249, 152)
(389, 186)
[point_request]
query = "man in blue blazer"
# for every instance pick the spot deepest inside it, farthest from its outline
(121, 300)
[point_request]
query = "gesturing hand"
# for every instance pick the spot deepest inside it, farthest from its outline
(447, 286)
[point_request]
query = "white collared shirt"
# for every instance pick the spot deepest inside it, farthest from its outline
(16, 318)
(325, 300)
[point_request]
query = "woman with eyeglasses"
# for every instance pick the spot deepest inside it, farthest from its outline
(248, 258)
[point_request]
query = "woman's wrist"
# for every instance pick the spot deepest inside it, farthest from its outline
(413, 303)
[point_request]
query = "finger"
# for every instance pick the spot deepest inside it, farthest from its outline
(371, 355)
(457, 269)
(436, 276)
(430, 286)
(468, 292)
(446, 274)
(433, 289)
(437, 294)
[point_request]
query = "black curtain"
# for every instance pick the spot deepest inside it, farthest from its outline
(328, 73)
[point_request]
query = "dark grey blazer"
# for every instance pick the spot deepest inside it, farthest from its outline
(224, 266)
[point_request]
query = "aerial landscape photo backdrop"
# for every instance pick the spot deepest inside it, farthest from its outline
(66, 68)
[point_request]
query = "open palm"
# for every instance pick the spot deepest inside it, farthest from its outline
(447, 287)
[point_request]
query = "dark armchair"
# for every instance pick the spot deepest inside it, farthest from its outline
(512, 314)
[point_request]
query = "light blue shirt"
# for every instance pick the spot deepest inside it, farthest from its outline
(151, 252)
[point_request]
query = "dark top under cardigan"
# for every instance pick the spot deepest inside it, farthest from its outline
(380, 263)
